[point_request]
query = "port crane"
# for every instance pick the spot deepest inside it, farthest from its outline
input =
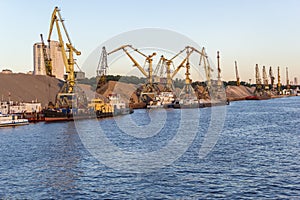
(187, 89)
(164, 67)
(265, 78)
(148, 59)
(149, 90)
(271, 76)
(238, 82)
(219, 70)
(204, 60)
(207, 68)
(287, 79)
(66, 96)
(258, 79)
(47, 59)
(278, 83)
(166, 63)
(102, 69)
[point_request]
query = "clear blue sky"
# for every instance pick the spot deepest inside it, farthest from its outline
(266, 32)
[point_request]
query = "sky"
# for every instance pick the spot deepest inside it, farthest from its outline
(263, 32)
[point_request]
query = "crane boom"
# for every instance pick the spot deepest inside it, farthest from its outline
(188, 53)
(136, 64)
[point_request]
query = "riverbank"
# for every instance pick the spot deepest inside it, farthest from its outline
(27, 88)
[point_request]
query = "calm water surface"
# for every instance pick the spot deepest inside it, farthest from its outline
(257, 155)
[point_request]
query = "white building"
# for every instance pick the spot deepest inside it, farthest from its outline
(11, 108)
(58, 67)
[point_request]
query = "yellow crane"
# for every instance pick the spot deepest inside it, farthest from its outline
(169, 62)
(149, 91)
(185, 63)
(67, 49)
(148, 59)
(67, 96)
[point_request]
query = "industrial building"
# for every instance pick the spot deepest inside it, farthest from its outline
(57, 62)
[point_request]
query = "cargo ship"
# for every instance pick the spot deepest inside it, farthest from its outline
(255, 97)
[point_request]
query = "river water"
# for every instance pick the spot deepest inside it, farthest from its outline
(255, 155)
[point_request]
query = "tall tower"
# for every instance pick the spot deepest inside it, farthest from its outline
(56, 56)
(38, 60)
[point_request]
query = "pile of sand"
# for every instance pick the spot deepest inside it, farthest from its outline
(235, 93)
(28, 88)
(126, 91)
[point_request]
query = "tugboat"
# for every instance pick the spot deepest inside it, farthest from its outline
(163, 100)
(114, 107)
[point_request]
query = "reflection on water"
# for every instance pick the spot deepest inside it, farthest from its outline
(257, 155)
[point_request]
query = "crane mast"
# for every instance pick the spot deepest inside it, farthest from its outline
(207, 68)
(265, 78)
(278, 78)
(238, 83)
(271, 76)
(287, 78)
(164, 63)
(219, 70)
(102, 69)
(258, 79)
(47, 59)
(188, 53)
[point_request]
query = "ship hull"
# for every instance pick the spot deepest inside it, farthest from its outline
(257, 98)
